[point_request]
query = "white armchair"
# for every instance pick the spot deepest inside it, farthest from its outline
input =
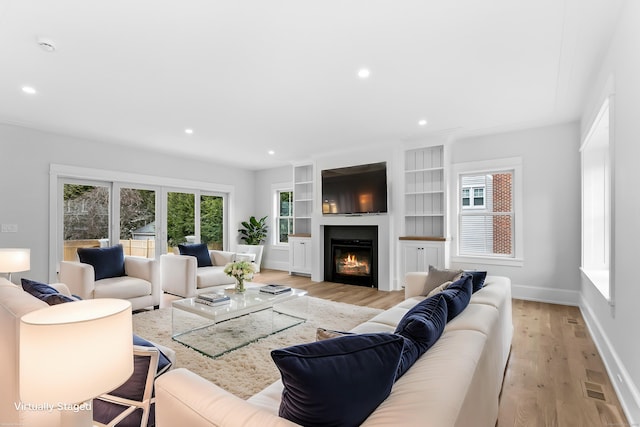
(140, 285)
(256, 250)
(181, 275)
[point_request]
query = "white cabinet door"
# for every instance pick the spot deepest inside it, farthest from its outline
(299, 255)
(418, 255)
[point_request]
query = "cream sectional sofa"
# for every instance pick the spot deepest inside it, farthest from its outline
(457, 382)
(15, 303)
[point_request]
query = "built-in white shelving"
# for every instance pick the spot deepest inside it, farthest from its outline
(423, 242)
(424, 192)
(300, 241)
(302, 198)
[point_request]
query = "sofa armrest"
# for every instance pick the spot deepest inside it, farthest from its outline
(79, 277)
(178, 274)
(141, 268)
(184, 398)
(146, 269)
(414, 284)
(221, 258)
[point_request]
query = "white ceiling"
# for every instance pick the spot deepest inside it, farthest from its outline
(250, 76)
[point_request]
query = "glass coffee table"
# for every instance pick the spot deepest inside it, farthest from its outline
(216, 330)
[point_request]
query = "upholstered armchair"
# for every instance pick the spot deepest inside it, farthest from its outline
(255, 250)
(107, 273)
(200, 271)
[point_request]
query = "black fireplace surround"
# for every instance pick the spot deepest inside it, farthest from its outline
(357, 243)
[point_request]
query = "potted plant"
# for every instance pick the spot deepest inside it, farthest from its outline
(254, 231)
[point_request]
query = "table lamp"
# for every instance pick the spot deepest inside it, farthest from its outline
(13, 260)
(73, 352)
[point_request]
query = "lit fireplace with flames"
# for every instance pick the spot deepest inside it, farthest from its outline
(352, 264)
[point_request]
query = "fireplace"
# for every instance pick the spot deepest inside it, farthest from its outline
(352, 261)
(351, 255)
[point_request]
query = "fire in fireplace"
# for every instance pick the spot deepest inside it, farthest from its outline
(352, 261)
(352, 264)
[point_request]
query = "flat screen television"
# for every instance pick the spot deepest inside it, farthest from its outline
(355, 190)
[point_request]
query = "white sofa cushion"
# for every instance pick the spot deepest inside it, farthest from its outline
(186, 399)
(211, 276)
(124, 287)
(432, 392)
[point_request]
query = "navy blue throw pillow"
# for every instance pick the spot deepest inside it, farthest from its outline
(477, 278)
(44, 292)
(458, 295)
(425, 322)
(198, 250)
(410, 353)
(163, 362)
(337, 382)
(106, 262)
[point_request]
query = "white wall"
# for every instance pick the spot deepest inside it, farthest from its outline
(551, 206)
(276, 257)
(551, 189)
(615, 328)
(26, 155)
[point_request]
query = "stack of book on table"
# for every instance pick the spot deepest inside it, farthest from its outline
(274, 289)
(213, 300)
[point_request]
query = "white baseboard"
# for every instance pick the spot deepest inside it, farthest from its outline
(624, 386)
(275, 265)
(550, 295)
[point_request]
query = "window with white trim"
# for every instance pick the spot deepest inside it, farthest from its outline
(597, 204)
(488, 206)
(284, 215)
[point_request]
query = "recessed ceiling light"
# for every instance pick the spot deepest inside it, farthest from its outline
(271, 152)
(29, 90)
(422, 122)
(188, 131)
(364, 73)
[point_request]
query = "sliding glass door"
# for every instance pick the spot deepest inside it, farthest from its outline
(85, 217)
(138, 221)
(195, 217)
(147, 220)
(212, 220)
(181, 215)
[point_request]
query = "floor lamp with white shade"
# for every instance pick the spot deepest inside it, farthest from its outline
(73, 352)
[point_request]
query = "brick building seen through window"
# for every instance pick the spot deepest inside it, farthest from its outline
(486, 216)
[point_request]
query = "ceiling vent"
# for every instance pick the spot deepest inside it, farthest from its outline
(46, 45)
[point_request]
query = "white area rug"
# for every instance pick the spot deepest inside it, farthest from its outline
(249, 369)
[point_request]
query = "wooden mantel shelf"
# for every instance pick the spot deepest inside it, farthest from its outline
(424, 238)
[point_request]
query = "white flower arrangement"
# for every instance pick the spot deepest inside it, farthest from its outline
(241, 271)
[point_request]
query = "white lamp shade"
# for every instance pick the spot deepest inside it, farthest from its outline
(73, 352)
(13, 260)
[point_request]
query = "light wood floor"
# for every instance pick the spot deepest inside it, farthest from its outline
(555, 376)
